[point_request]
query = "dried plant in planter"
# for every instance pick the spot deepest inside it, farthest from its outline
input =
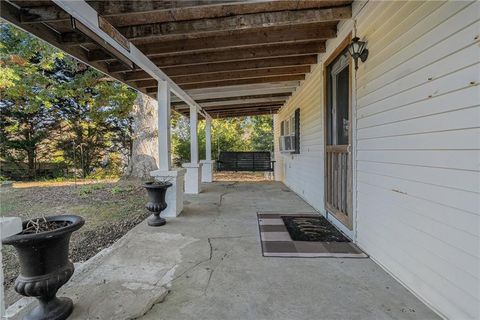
(42, 225)
(160, 181)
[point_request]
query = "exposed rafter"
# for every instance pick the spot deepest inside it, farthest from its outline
(142, 12)
(230, 75)
(227, 66)
(270, 51)
(228, 40)
(237, 22)
(228, 82)
(227, 100)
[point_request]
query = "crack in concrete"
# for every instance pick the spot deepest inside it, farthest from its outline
(211, 248)
(160, 300)
(219, 203)
(179, 276)
(208, 281)
(198, 263)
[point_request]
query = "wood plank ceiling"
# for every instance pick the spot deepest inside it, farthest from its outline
(234, 58)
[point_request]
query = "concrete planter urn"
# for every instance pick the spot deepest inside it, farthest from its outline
(44, 264)
(156, 201)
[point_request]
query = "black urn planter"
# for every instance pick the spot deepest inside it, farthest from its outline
(45, 267)
(156, 201)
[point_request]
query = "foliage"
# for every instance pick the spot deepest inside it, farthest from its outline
(119, 189)
(262, 133)
(231, 134)
(53, 108)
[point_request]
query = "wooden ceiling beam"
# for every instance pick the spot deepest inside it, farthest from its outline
(270, 51)
(237, 98)
(267, 104)
(242, 81)
(237, 90)
(243, 113)
(214, 84)
(241, 74)
(240, 93)
(258, 37)
(246, 87)
(125, 13)
(235, 22)
(227, 66)
(220, 103)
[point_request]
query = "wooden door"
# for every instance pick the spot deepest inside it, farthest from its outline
(338, 177)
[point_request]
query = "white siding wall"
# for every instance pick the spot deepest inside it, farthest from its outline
(417, 147)
(303, 172)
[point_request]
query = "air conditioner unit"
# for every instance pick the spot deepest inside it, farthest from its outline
(287, 143)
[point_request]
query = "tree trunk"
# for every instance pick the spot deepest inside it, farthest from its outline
(144, 156)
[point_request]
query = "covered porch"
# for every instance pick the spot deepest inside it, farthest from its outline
(401, 154)
(208, 264)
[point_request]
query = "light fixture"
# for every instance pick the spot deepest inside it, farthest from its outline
(357, 49)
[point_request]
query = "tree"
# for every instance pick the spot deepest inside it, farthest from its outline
(27, 87)
(49, 99)
(262, 133)
(95, 111)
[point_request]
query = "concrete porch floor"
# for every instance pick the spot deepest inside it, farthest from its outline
(207, 264)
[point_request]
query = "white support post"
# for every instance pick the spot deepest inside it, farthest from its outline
(163, 99)
(207, 164)
(194, 169)
(193, 135)
(174, 195)
(208, 139)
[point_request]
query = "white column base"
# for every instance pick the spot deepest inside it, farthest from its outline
(193, 178)
(207, 170)
(174, 195)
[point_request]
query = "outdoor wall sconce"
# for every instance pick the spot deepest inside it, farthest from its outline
(357, 49)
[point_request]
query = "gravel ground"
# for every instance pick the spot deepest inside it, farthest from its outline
(110, 209)
(240, 176)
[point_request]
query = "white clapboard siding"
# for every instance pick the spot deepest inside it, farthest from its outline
(418, 152)
(416, 146)
(302, 172)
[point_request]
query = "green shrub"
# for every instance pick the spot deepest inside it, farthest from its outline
(118, 189)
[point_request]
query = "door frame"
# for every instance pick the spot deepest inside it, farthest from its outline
(348, 230)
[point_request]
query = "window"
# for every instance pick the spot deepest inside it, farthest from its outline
(290, 133)
(297, 130)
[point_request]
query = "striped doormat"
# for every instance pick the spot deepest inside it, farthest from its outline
(276, 241)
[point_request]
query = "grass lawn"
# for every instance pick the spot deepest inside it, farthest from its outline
(110, 209)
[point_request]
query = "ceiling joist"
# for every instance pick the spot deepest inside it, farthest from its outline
(228, 40)
(126, 13)
(227, 66)
(231, 23)
(270, 51)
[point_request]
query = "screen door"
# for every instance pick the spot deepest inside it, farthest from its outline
(338, 182)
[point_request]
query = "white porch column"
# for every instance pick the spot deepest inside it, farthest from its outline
(193, 135)
(194, 169)
(207, 164)
(174, 196)
(163, 99)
